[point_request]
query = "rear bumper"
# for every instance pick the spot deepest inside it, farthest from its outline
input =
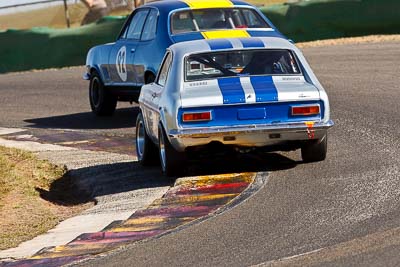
(249, 135)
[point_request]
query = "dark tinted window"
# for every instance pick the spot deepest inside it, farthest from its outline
(241, 63)
(214, 19)
(135, 27)
(150, 28)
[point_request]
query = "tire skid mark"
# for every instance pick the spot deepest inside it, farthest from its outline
(189, 200)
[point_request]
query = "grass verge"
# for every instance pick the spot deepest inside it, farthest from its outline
(24, 213)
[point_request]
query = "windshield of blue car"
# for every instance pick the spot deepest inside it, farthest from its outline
(216, 19)
(240, 63)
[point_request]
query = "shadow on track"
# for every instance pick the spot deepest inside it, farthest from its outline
(236, 162)
(85, 184)
(122, 118)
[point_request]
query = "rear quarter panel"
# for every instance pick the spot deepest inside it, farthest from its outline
(170, 100)
(315, 82)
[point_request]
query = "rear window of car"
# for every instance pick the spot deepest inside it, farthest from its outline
(240, 63)
(216, 19)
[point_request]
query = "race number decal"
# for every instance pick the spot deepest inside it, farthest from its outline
(121, 63)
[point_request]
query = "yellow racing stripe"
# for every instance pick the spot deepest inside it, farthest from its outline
(225, 34)
(199, 4)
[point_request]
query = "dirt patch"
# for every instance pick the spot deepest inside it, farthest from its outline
(28, 206)
(352, 40)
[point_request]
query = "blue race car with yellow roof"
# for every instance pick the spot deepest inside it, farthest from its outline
(118, 70)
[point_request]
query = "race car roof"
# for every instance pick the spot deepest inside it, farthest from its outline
(207, 45)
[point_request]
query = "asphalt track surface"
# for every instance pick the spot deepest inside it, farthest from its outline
(343, 211)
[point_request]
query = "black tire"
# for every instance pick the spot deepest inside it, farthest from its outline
(315, 150)
(102, 102)
(146, 150)
(172, 161)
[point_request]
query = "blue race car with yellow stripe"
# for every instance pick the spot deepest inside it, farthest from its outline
(118, 70)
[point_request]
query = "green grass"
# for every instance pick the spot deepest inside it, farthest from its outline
(24, 214)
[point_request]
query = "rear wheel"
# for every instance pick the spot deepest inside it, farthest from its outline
(146, 150)
(102, 102)
(315, 150)
(172, 161)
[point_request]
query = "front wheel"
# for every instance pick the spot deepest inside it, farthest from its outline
(315, 150)
(172, 161)
(146, 150)
(102, 102)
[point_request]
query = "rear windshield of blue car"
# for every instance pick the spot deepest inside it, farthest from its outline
(216, 19)
(240, 63)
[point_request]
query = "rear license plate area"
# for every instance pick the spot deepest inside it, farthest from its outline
(252, 114)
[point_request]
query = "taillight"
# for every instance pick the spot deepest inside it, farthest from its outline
(196, 116)
(305, 110)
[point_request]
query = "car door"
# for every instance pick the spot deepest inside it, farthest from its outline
(153, 96)
(121, 59)
(149, 51)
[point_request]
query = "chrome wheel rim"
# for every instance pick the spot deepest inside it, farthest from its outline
(140, 135)
(162, 152)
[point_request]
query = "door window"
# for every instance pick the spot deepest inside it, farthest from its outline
(150, 28)
(136, 25)
(163, 75)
